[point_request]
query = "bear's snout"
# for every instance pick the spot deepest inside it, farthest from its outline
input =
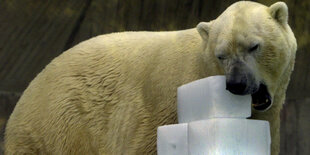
(236, 87)
(240, 80)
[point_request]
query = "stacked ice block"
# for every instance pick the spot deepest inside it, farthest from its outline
(212, 121)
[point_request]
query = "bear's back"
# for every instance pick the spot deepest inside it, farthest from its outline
(98, 77)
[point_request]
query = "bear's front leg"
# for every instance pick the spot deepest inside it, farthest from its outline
(273, 116)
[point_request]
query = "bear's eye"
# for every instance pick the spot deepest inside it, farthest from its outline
(254, 48)
(221, 57)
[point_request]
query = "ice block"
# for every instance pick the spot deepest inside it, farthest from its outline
(208, 98)
(229, 136)
(172, 140)
(213, 123)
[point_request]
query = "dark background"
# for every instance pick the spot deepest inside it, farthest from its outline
(33, 32)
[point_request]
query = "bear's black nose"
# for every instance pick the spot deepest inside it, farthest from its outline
(235, 87)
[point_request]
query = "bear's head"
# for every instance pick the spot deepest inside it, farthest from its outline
(254, 47)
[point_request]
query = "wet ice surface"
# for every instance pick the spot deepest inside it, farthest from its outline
(208, 98)
(229, 136)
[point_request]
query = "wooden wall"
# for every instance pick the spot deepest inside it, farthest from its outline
(33, 32)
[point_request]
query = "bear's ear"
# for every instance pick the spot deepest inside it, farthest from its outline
(203, 28)
(279, 12)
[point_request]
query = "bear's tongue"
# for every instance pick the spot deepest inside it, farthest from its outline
(261, 100)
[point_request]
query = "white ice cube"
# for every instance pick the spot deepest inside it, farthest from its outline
(208, 98)
(172, 140)
(229, 136)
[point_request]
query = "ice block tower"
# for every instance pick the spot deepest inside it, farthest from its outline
(212, 121)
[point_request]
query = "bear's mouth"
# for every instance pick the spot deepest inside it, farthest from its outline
(261, 100)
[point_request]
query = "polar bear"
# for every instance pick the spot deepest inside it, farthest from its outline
(109, 94)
